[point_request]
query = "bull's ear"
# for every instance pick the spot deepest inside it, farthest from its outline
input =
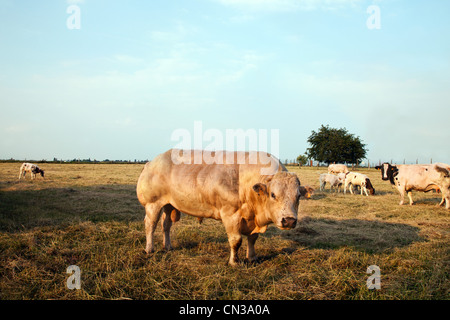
(260, 189)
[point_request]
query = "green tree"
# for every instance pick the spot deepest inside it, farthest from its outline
(335, 145)
(302, 160)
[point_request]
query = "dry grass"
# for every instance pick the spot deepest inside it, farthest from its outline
(88, 215)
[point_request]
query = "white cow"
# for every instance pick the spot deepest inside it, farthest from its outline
(32, 169)
(334, 181)
(358, 179)
(337, 168)
(420, 178)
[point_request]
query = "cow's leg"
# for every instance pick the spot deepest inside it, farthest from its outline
(235, 241)
(411, 202)
(446, 199)
(402, 196)
(251, 254)
(166, 224)
(152, 215)
(232, 227)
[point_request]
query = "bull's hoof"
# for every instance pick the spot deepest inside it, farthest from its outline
(233, 263)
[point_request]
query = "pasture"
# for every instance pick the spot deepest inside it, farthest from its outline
(88, 215)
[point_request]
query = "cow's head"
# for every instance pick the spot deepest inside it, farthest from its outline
(370, 187)
(306, 191)
(388, 172)
(41, 172)
(278, 199)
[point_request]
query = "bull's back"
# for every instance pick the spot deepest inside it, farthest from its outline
(199, 186)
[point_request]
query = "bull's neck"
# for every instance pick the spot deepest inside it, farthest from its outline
(262, 220)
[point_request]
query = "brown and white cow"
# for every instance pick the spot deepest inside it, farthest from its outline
(32, 169)
(420, 178)
(358, 179)
(337, 168)
(306, 191)
(239, 190)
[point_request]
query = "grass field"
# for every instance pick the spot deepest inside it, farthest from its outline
(88, 215)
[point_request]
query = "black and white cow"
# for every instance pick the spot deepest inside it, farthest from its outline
(32, 169)
(420, 178)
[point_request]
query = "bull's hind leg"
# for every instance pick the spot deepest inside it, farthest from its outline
(152, 215)
(170, 214)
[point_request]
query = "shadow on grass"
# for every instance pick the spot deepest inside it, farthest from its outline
(22, 210)
(362, 235)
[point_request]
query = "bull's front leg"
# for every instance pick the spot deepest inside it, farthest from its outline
(251, 253)
(232, 227)
(235, 242)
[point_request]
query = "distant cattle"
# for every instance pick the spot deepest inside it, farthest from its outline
(337, 168)
(32, 169)
(358, 179)
(237, 191)
(306, 191)
(335, 181)
(420, 178)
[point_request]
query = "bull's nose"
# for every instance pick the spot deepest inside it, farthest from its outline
(288, 223)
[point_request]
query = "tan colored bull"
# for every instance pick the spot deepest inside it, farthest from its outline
(236, 189)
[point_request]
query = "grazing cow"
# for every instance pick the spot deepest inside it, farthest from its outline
(337, 168)
(306, 191)
(358, 179)
(32, 169)
(334, 181)
(237, 191)
(420, 178)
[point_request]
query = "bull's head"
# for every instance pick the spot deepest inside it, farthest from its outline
(41, 172)
(278, 199)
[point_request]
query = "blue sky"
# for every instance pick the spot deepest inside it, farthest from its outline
(136, 71)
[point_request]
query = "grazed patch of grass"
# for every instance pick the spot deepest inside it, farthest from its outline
(88, 215)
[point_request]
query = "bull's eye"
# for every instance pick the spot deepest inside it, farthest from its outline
(273, 195)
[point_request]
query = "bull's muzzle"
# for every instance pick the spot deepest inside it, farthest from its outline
(288, 223)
